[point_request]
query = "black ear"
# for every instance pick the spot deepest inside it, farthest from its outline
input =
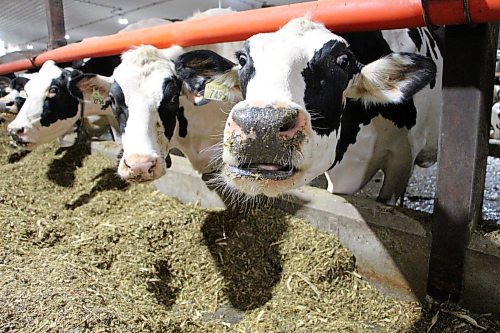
(195, 68)
(72, 84)
(18, 83)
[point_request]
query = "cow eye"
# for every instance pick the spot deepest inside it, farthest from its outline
(343, 61)
(242, 59)
(53, 90)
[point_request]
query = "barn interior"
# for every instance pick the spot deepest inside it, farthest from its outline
(84, 251)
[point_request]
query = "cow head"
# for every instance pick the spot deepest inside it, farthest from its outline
(297, 83)
(15, 95)
(144, 97)
(51, 108)
(149, 97)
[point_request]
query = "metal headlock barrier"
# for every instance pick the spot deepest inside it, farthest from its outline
(468, 73)
(340, 16)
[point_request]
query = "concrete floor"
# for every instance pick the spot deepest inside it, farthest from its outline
(421, 189)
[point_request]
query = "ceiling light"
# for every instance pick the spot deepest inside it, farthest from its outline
(66, 37)
(29, 47)
(123, 20)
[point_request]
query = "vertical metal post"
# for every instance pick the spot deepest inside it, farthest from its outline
(469, 63)
(55, 23)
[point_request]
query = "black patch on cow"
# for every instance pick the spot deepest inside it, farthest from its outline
(118, 105)
(367, 46)
(19, 102)
(246, 72)
(62, 105)
(432, 43)
(169, 106)
(18, 83)
(197, 67)
(183, 123)
(416, 37)
(102, 65)
(356, 115)
(325, 82)
(327, 110)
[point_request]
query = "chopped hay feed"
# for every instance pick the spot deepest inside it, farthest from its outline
(81, 251)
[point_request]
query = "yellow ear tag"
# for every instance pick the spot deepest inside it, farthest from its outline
(23, 94)
(216, 91)
(96, 97)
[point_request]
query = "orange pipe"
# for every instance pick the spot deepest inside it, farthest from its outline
(337, 15)
(15, 66)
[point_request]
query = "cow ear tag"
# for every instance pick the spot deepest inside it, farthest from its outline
(216, 91)
(96, 97)
(23, 94)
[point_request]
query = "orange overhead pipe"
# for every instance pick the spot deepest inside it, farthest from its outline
(337, 15)
(15, 66)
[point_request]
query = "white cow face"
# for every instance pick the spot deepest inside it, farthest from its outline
(297, 83)
(49, 110)
(145, 100)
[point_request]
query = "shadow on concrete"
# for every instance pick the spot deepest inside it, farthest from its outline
(107, 180)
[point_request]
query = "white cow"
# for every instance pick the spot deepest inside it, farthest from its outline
(317, 102)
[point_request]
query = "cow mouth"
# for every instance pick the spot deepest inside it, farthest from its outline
(23, 144)
(262, 171)
(20, 143)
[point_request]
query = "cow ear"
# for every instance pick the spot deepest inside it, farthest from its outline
(393, 79)
(198, 68)
(83, 86)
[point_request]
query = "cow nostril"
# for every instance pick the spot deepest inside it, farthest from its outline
(290, 124)
(151, 169)
(20, 131)
(125, 163)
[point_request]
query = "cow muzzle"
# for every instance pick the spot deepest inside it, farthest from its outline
(264, 143)
(137, 168)
(18, 135)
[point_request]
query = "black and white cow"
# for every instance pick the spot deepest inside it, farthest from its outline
(317, 102)
(15, 97)
(157, 110)
(52, 109)
(52, 106)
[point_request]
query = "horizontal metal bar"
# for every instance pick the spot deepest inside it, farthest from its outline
(356, 15)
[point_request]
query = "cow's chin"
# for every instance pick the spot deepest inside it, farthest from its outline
(24, 145)
(269, 180)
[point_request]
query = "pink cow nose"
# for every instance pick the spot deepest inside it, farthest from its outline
(141, 168)
(15, 131)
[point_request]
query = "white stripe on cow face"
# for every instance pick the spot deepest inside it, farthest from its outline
(27, 127)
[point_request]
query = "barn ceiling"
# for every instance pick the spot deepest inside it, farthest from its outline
(23, 22)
